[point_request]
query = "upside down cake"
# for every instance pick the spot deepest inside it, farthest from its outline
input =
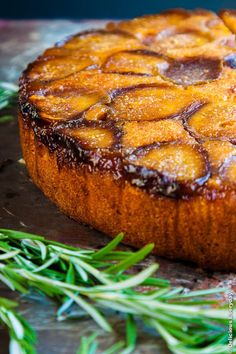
(133, 128)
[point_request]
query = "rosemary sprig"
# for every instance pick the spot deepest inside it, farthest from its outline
(89, 345)
(22, 336)
(98, 281)
(8, 97)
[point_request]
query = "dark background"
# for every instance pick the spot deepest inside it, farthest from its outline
(22, 9)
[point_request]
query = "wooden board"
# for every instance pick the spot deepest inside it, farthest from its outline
(23, 207)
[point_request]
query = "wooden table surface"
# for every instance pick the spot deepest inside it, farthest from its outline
(23, 207)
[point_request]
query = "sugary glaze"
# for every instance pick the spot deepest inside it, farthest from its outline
(151, 100)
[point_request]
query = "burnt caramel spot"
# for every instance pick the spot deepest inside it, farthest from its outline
(150, 100)
(193, 71)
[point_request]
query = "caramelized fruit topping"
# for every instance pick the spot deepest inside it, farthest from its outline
(181, 162)
(193, 71)
(151, 103)
(92, 138)
(152, 100)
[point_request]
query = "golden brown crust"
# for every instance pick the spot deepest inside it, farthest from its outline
(229, 18)
(133, 128)
(196, 230)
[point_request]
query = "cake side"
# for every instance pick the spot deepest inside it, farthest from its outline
(196, 230)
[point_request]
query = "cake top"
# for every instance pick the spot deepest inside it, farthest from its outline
(152, 100)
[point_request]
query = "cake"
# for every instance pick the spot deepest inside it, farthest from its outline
(132, 129)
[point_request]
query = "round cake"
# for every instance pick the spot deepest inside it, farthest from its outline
(132, 128)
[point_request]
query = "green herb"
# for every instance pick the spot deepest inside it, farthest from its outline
(97, 281)
(89, 345)
(8, 97)
(22, 336)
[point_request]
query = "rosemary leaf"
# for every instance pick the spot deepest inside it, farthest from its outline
(22, 336)
(8, 97)
(104, 281)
